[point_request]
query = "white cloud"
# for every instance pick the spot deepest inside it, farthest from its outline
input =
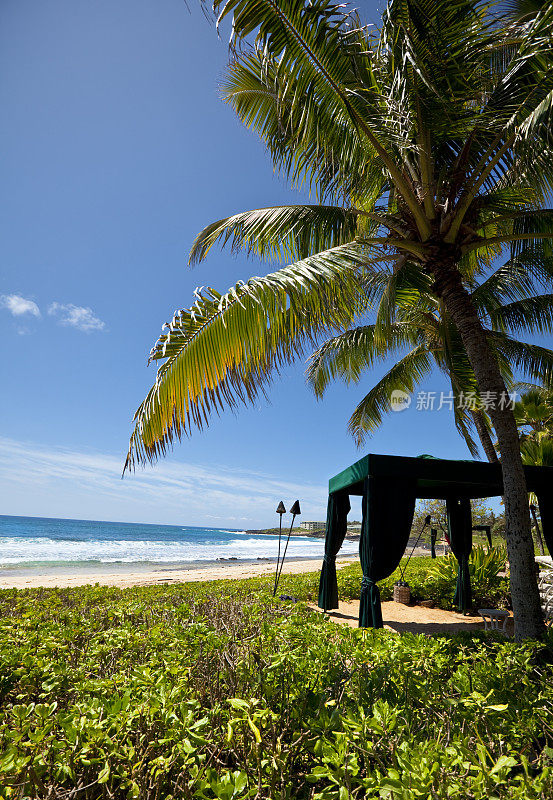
(18, 306)
(79, 317)
(36, 480)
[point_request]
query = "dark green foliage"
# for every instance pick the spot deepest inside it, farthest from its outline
(215, 691)
(429, 579)
(486, 566)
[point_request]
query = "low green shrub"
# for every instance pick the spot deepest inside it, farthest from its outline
(216, 691)
(489, 587)
(306, 585)
(429, 579)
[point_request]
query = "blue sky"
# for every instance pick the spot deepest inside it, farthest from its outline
(116, 151)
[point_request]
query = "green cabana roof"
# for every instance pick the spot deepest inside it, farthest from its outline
(389, 487)
(436, 477)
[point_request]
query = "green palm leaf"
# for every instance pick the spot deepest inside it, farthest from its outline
(221, 352)
(286, 233)
(531, 360)
(321, 49)
(530, 315)
(405, 375)
(349, 354)
(308, 142)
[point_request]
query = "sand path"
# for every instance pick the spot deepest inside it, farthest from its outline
(414, 619)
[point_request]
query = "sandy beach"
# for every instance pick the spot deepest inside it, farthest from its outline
(161, 576)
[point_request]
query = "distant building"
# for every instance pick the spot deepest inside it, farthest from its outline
(313, 526)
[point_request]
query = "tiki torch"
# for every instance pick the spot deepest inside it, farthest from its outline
(295, 511)
(280, 511)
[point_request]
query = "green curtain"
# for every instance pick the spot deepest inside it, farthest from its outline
(336, 527)
(459, 521)
(545, 502)
(388, 508)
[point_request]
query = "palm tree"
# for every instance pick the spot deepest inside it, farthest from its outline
(422, 325)
(524, 9)
(534, 414)
(427, 146)
(534, 417)
(538, 452)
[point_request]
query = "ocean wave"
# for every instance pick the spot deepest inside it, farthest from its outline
(19, 550)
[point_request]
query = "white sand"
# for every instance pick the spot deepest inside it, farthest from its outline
(162, 576)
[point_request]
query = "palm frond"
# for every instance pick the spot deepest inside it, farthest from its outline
(224, 349)
(405, 375)
(406, 286)
(530, 360)
(287, 233)
(530, 315)
(320, 47)
(349, 354)
(464, 425)
(521, 276)
(309, 142)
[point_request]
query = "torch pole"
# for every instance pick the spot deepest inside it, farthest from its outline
(295, 512)
(280, 511)
(536, 525)
(426, 522)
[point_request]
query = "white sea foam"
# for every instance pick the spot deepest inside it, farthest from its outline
(16, 550)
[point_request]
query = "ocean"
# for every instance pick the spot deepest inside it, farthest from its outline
(30, 545)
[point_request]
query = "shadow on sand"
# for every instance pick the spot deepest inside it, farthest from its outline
(414, 619)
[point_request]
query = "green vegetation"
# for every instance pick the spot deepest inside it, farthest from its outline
(215, 691)
(485, 566)
(534, 417)
(482, 514)
(429, 579)
(319, 532)
(424, 142)
(421, 329)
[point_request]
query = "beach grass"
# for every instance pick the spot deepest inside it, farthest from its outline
(214, 690)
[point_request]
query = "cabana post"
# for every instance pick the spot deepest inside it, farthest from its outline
(389, 487)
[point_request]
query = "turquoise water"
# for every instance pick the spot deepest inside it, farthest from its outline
(30, 544)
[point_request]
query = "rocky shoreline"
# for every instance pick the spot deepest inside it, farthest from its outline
(351, 536)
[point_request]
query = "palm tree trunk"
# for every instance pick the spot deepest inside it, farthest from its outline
(520, 547)
(485, 438)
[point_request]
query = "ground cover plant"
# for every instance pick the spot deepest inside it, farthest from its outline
(216, 691)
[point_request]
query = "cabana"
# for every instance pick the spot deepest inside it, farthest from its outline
(389, 487)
